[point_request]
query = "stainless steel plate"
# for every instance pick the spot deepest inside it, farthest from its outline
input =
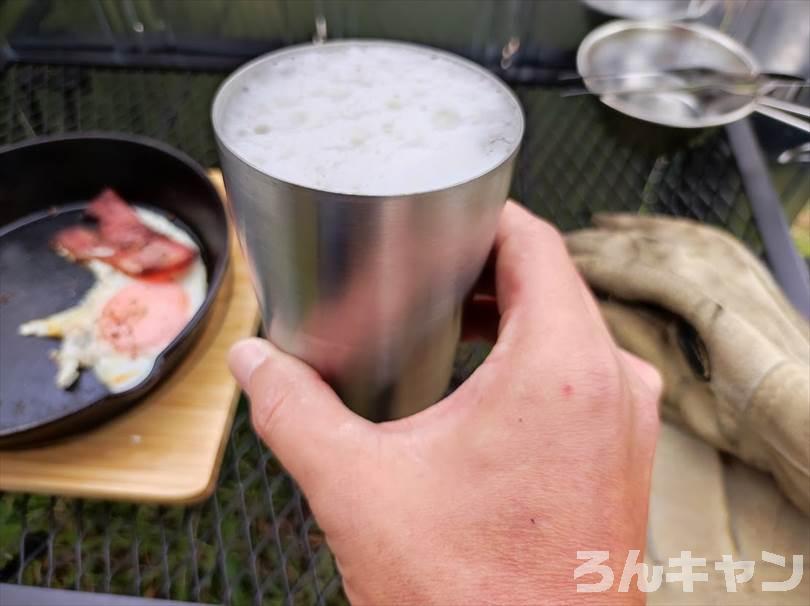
(644, 49)
(667, 10)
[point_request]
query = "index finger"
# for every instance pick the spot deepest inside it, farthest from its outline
(538, 289)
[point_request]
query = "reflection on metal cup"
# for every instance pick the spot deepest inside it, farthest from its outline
(365, 287)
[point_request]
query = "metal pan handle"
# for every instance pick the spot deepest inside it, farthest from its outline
(781, 116)
(785, 106)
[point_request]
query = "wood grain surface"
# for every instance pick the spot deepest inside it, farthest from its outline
(168, 448)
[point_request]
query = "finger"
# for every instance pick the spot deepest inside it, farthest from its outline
(588, 242)
(593, 309)
(295, 412)
(538, 289)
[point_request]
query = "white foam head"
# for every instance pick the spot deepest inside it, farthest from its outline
(370, 118)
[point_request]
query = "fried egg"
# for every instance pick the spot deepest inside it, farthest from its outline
(122, 324)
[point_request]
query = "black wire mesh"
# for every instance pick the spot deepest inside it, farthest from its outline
(254, 541)
(579, 158)
(171, 106)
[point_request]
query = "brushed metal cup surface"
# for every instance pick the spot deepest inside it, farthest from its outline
(366, 289)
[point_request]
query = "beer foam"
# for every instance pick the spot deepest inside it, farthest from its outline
(370, 118)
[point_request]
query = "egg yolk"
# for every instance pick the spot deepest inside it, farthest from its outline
(144, 316)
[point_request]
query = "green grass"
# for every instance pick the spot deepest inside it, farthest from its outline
(801, 231)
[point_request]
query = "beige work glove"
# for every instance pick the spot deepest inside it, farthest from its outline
(734, 355)
(713, 504)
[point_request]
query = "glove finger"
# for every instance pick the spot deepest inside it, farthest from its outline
(687, 399)
(586, 241)
(644, 333)
(711, 258)
(624, 221)
(676, 233)
(621, 249)
(615, 220)
(671, 229)
(640, 281)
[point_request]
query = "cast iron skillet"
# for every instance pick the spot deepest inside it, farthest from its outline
(44, 185)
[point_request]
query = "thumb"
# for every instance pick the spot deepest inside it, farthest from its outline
(295, 412)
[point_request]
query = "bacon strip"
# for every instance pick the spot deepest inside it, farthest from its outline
(122, 241)
(82, 244)
(117, 221)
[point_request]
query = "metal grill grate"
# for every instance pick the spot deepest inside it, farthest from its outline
(171, 106)
(254, 541)
(577, 159)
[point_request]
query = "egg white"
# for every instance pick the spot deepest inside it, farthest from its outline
(78, 327)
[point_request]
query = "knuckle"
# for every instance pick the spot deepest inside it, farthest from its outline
(602, 378)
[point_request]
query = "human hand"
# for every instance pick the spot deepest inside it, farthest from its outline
(487, 496)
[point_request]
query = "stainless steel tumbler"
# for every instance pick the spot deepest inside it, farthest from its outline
(366, 289)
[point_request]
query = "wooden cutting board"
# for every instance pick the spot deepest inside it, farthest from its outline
(168, 448)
